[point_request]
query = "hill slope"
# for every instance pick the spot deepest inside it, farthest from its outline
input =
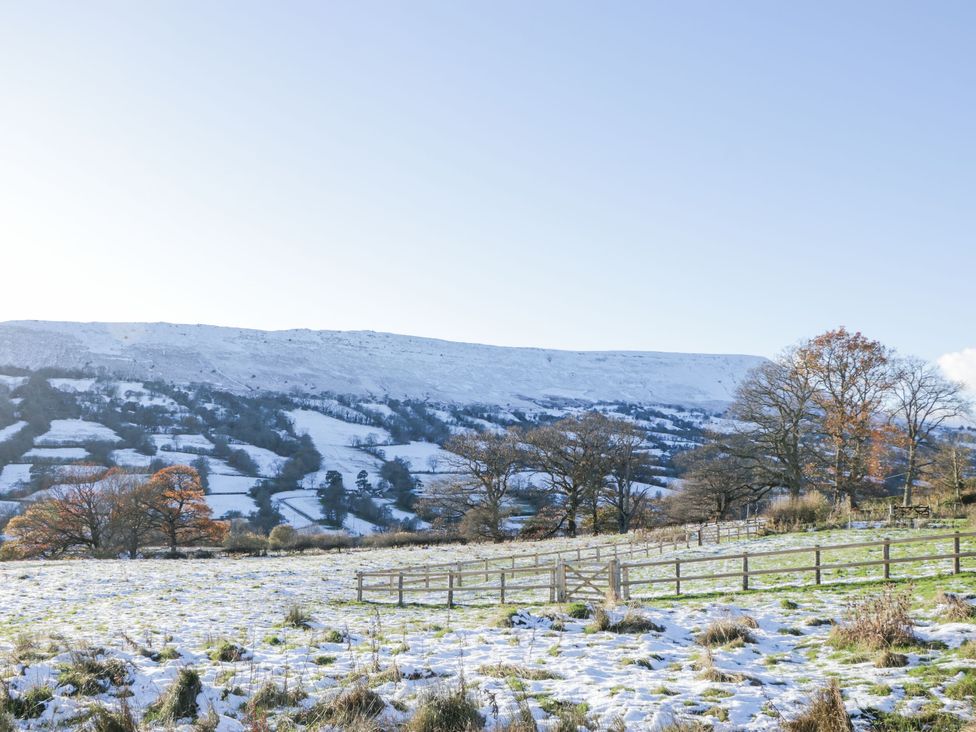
(367, 363)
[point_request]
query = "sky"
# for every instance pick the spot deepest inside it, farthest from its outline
(694, 176)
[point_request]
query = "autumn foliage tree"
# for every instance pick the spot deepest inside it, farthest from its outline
(99, 512)
(179, 508)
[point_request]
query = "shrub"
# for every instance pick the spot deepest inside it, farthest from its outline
(298, 617)
(179, 701)
(877, 623)
(825, 713)
(578, 610)
(408, 538)
(810, 509)
(245, 542)
(727, 630)
(282, 537)
(323, 542)
(446, 710)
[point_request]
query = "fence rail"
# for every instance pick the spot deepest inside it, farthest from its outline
(565, 581)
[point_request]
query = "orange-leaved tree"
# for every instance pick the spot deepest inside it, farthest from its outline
(179, 508)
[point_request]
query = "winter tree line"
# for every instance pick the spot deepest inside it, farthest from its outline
(839, 416)
(107, 512)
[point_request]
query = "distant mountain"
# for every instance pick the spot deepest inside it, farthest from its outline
(366, 363)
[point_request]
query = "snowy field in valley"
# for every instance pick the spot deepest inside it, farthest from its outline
(184, 610)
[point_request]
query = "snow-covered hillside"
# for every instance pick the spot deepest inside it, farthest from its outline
(367, 363)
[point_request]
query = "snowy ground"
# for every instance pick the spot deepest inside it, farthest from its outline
(641, 679)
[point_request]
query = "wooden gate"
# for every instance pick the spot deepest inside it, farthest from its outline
(587, 583)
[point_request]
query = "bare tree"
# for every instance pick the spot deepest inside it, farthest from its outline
(774, 407)
(922, 400)
(628, 464)
(716, 484)
(485, 465)
(952, 466)
(573, 456)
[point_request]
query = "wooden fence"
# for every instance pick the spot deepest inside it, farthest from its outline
(456, 577)
(565, 581)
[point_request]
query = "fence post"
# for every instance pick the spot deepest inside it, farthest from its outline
(956, 568)
(699, 535)
(887, 557)
(552, 585)
(400, 590)
(501, 577)
(677, 576)
(561, 581)
(450, 588)
(487, 578)
(816, 564)
(625, 584)
(613, 572)
(426, 576)
(460, 579)
(745, 571)
(359, 586)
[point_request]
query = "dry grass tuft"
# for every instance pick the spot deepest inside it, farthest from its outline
(631, 622)
(728, 631)
(825, 713)
(877, 623)
(954, 608)
(889, 659)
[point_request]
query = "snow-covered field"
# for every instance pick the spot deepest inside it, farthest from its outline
(635, 680)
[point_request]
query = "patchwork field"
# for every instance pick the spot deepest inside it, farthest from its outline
(644, 665)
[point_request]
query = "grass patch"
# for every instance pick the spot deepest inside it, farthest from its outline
(89, 675)
(226, 651)
(29, 705)
(964, 688)
(506, 670)
(931, 721)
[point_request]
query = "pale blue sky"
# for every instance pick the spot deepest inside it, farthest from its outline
(687, 176)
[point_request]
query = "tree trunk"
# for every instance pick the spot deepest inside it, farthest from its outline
(909, 475)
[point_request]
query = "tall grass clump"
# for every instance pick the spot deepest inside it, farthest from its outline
(824, 713)
(298, 617)
(179, 701)
(354, 708)
(446, 710)
(877, 623)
